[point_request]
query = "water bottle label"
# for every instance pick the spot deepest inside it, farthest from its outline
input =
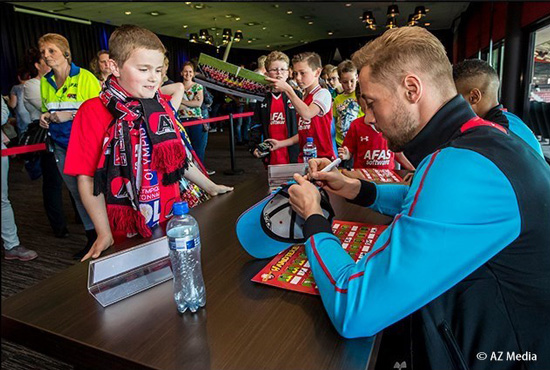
(181, 244)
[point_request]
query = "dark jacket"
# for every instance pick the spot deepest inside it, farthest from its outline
(467, 255)
(260, 130)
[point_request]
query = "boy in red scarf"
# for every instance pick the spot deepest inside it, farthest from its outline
(125, 147)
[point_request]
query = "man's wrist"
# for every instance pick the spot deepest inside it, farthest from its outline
(316, 224)
(353, 187)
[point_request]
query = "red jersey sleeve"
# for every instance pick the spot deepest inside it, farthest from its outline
(351, 137)
(86, 140)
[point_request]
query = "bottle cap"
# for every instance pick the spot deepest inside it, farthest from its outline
(309, 140)
(180, 208)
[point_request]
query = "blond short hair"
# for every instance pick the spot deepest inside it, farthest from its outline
(126, 38)
(345, 67)
(276, 56)
(312, 59)
(406, 49)
(327, 69)
(61, 42)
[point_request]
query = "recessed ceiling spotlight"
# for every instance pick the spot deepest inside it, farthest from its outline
(290, 37)
(128, 13)
(237, 18)
(310, 22)
(252, 23)
(187, 3)
(267, 46)
(275, 5)
(348, 5)
(289, 12)
(199, 6)
(249, 41)
(264, 28)
(185, 26)
(229, 16)
(154, 13)
(427, 24)
(330, 33)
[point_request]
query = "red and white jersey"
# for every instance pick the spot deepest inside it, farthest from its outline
(368, 146)
(277, 129)
(319, 126)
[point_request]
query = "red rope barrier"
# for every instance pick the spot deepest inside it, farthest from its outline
(39, 147)
(23, 149)
(217, 119)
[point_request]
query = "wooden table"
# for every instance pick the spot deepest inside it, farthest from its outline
(243, 326)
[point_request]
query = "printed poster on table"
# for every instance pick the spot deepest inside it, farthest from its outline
(290, 269)
(231, 79)
(375, 174)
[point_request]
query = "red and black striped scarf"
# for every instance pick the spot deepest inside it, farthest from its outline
(114, 176)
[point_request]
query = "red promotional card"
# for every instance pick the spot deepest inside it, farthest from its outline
(378, 175)
(290, 269)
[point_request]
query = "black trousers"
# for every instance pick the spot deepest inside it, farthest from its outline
(52, 186)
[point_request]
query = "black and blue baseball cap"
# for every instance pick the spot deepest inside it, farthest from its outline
(271, 225)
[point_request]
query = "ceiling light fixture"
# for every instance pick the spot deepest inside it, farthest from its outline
(391, 23)
(310, 23)
(154, 13)
(348, 5)
(128, 13)
(419, 12)
(393, 11)
(368, 17)
(330, 33)
(411, 21)
(289, 12)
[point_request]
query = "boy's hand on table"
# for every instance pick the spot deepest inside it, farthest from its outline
(102, 243)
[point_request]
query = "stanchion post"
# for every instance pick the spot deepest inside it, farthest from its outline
(232, 171)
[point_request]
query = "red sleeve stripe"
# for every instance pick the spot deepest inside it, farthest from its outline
(379, 250)
(422, 182)
(314, 247)
(354, 276)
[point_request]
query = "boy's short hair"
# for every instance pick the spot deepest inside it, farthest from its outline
(327, 69)
(276, 56)
(312, 59)
(126, 38)
(406, 49)
(261, 61)
(61, 42)
(345, 67)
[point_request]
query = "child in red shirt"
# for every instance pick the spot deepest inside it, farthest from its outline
(125, 147)
(314, 112)
(367, 145)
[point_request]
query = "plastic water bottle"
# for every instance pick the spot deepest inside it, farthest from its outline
(185, 254)
(310, 150)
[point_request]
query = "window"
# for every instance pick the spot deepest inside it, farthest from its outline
(539, 88)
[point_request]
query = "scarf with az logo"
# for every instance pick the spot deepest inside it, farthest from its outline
(120, 171)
